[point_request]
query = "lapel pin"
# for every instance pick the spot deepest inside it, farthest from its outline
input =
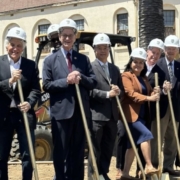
(177, 68)
(75, 57)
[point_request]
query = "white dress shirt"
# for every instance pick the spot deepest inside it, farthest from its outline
(65, 54)
(149, 68)
(14, 66)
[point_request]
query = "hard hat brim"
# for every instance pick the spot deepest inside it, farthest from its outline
(170, 45)
(139, 57)
(17, 37)
(156, 47)
(101, 44)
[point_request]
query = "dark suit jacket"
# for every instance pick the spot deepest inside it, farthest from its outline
(133, 97)
(161, 79)
(62, 95)
(30, 87)
(175, 92)
(103, 108)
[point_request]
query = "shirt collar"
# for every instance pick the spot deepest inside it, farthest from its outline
(149, 67)
(101, 63)
(12, 62)
(65, 52)
(167, 62)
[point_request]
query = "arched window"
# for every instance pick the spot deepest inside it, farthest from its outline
(169, 20)
(122, 22)
(81, 23)
(42, 29)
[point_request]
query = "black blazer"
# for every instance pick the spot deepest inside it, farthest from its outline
(175, 92)
(30, 87)
(63, 96)
(102, 108)
(161, 79)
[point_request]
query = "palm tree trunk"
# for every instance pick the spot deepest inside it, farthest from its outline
(151, 22)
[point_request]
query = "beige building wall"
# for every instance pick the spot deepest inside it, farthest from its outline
(98, 15)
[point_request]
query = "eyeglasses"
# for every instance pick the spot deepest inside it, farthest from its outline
(67, 35)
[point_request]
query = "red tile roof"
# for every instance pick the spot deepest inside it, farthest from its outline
(11, 5)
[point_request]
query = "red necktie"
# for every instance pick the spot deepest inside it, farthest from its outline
(69, 61)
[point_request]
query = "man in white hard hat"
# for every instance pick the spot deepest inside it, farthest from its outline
(52, 35)
(103, 104)
(171, 69)
(61, 71)
(13, 67)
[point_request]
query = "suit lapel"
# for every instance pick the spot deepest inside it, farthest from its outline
(62, 60)
(110, 72)
(6, 67)
(176, 69)
(99, 68)
(74, 60)
(137, 83)
(147, 85)
(151, 75)
(164, 67)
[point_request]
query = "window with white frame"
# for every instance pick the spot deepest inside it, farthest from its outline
(122, 24)
(80, 27)
(80, 24)
(42, 29)
(169, 22)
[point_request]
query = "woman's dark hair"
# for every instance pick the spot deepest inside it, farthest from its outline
(128, 67)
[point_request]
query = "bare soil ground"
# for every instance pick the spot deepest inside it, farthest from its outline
(46, 171)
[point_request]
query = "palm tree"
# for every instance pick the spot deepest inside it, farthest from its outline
(151, 22)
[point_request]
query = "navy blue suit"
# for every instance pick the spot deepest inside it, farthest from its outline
(11, 118)
(67, 127)
(167, 130)
(161, 79)
(175, 92)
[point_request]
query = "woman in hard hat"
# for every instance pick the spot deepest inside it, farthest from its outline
(137, 92)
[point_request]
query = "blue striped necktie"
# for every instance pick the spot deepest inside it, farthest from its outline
(171, 75)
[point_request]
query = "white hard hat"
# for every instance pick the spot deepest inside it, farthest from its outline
(139, 53)
(158, 43)
(101, 38)
(68, 23)
(53, 29)
(171, 41)
(16, 32)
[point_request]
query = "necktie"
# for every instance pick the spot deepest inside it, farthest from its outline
(106, 70)
(170, 72)
(68, 56)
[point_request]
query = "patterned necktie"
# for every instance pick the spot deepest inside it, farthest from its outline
(170, 72)
(106, 70)
(68, 56)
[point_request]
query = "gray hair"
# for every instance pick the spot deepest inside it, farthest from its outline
(151, 47)
(8, 40)
(62, 29)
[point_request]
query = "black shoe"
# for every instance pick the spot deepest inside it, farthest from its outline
(172, 172)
